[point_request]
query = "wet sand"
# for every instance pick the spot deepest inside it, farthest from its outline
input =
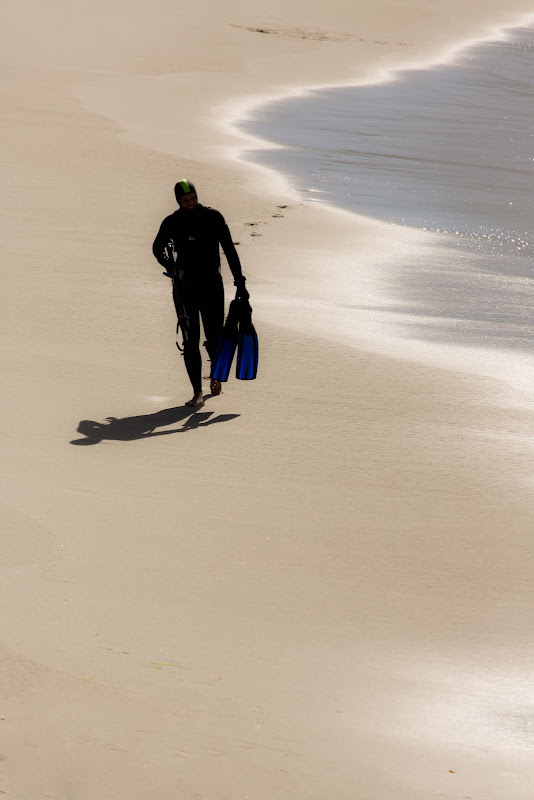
(322, 588)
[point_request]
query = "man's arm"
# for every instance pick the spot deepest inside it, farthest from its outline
(230, 252)
(160, 248)
(232, 257)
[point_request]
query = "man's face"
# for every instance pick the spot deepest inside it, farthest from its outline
(189, 201)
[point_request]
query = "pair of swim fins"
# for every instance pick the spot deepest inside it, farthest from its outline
(238, 333)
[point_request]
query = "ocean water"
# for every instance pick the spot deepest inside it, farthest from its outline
(450, 150)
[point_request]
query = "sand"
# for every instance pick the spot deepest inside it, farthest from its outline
(323, 589)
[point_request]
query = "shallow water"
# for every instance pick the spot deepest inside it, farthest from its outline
(448, 149)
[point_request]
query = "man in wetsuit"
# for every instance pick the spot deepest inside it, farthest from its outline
(187, 246)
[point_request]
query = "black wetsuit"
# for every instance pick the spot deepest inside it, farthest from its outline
(195, 236)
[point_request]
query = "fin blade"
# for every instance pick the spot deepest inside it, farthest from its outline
(222, 363)
(247, 355)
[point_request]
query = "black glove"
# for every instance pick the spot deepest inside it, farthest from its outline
(241, 292)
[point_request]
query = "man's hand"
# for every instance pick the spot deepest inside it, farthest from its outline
(241, 291)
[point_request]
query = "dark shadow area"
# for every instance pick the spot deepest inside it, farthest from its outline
(144, 426)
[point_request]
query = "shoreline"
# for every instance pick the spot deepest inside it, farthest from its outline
(448, 55)
(486, 362)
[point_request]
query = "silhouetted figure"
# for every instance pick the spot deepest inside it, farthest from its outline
(188, 247)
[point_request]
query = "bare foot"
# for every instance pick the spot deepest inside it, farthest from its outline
(196, 401)
(215, 387)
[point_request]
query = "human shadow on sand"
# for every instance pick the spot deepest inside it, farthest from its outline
(143, 426)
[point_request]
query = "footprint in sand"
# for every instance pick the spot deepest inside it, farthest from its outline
(281, 209)
(253, 224)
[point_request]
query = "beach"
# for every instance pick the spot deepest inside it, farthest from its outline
(324, 588)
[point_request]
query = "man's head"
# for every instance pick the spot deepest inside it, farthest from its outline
(186, 195)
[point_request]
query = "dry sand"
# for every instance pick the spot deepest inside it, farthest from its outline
(324, 590)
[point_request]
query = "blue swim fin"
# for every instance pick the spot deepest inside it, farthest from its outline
(222, 363)
(247, 349)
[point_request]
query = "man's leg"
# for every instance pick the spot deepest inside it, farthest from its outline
(212, 312)
(189, 322)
